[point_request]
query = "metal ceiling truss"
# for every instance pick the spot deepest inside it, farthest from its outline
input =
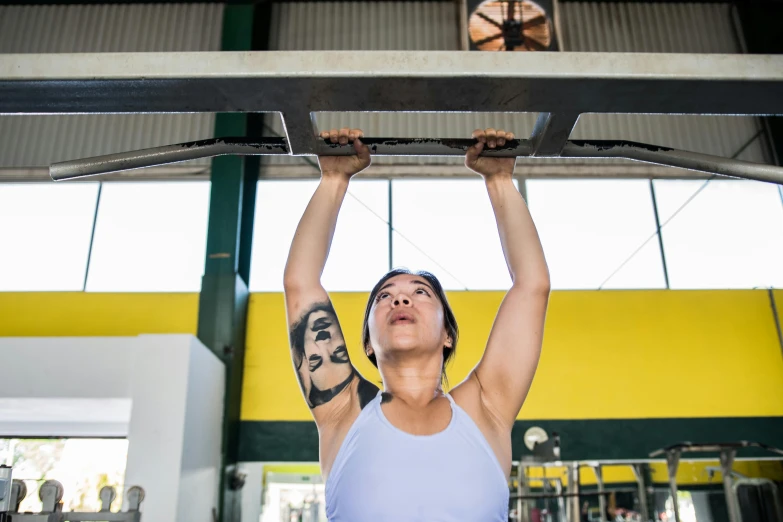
(559, 86)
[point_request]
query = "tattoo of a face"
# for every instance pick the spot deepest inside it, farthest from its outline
(318, 339)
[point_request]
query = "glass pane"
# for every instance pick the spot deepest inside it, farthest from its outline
(360, 250)
(45, 231)
(82, 466)
(729, 236)
(447, 227)
(150, 237)
(590, 227)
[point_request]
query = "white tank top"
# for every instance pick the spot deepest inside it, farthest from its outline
(382, 473)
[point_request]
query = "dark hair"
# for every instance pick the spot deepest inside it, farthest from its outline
(449, 321)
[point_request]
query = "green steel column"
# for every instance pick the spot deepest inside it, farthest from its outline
(224, 294)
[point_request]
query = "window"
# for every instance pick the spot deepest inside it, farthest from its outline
(589, 228)
(729, 236)
(45, 231)
(447, 227)
(360, 250)
(150, 237)
(82, 466)
(293, 495)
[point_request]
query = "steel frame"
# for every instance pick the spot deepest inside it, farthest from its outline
(728, 454)
(560, 86)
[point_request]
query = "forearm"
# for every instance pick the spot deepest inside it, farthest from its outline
(518, 235)
(313, 237)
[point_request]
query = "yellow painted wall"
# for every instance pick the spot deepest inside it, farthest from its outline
(607, 354)
(72, 314)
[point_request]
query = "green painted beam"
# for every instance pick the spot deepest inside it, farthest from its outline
(224, 292)
(622, 439)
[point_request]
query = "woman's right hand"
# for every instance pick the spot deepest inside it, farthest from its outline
(345, 166)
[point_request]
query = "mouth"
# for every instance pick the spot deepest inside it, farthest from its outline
(401, 318)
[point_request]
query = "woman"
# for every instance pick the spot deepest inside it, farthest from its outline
(415, 452)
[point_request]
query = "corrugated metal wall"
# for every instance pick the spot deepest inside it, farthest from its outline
(596, 27)
(647, 27)
(665, 28)
(31, 141)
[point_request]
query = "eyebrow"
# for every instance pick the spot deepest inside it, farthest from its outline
(421, 283)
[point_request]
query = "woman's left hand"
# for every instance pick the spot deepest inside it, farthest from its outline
(489, 167)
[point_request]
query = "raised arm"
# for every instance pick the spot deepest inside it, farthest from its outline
(506, 369)
(318, 347)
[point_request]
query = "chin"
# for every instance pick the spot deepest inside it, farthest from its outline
(403, 343)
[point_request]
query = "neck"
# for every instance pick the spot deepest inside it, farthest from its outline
(415, 382)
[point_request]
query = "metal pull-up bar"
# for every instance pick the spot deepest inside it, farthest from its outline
(297, 84)
(414, 147)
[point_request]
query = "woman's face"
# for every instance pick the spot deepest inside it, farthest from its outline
(406, 315)
(326, 358)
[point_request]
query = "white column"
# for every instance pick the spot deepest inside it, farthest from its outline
(177, 388)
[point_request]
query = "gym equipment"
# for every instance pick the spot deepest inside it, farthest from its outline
(559, 86)
(568, 499)
(5, 491)
(51, 494)
(747, 499)
(727, 451)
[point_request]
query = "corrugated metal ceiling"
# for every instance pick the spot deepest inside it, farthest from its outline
(35, 141)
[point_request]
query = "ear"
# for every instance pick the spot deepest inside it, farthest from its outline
(368, 351)
(449, 342)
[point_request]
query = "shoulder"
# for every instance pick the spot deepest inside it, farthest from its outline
(349, 403)
(332, 433)
(468, 396)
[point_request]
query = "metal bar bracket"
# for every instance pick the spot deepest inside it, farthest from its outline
(551, 132)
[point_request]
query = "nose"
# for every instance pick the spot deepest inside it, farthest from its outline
(401, 299)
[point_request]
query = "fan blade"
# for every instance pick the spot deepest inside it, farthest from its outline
(534, 22)
(490, 20)
(534, 45)
(488, 39)
(511, 5)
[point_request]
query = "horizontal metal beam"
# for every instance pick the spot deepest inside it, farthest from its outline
(448, 81)
(415, 147)
(687, 447)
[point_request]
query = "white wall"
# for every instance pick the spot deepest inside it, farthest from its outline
(174, 440)
(70, 386)
(164, 392)
(203, 428)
